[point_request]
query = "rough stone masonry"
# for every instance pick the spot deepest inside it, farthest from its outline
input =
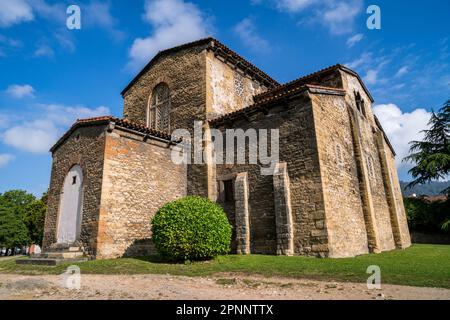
(335, 194)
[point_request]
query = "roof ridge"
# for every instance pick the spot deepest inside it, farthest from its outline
(268, 79)
(311, 75)
(302, 78)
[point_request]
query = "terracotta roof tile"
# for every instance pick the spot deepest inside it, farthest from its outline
(305, 79)
(274, 97)
(118, 122)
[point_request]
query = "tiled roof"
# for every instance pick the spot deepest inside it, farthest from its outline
(305, 79)
(289, 90)
(117, 122)
(219, 49)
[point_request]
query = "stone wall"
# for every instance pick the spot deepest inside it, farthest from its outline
(84, 147)
(185, 74)
(298, 149)
(228, 89)
(343, 206)
(404, 237)
(139, 177)
(367, 129)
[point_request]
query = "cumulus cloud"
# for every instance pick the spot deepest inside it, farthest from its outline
(38, 135)
(354, 39)
(174, 22)
(20, 91)
(246, 30)
(14, 12)
(401, 128)
(5, 159)
(35, 136)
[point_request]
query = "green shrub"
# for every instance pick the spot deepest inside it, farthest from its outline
(191, 228)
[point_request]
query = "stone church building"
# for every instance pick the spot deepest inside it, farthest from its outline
(335, 192)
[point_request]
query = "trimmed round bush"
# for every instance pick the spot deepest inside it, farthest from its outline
(191, 228)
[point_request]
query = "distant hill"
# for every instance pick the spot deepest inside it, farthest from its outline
(430, 189)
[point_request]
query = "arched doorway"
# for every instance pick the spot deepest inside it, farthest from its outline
(71, 206)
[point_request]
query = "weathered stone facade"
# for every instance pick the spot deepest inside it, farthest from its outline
(334, 193)
(128, 175)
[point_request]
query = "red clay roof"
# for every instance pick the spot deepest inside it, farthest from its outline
(219, 49)
(305, 79)
(118, 122)
(271, 98)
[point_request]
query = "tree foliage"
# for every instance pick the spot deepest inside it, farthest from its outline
(431, 156)
(13, 231)
(21, 218)
(427, 215)
(34, 218)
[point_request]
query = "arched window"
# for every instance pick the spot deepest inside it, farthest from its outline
(159, 109)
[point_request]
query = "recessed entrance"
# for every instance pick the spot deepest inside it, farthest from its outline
(71, 206)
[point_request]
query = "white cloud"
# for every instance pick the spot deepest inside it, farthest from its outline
(401, 128)
(402, 71)
(5, 159)
(99, 14)
(20, 91)
(174, 22)
(354, 39)
(340, 15)
(295, 5)
(336, 15)
(44, 51)
(35, 136)
(66, 115)
(65, 40)
(371, 76)
(38, 135)
(365, 59)
(55, 12)
(14, 12)
(246, 30)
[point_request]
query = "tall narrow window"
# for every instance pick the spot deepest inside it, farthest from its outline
(159, 110)
(360, 103)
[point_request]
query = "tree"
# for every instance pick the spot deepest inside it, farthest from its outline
(23, 209)
(34, 218)
(431, 156)
(13, 232)
(17, 200)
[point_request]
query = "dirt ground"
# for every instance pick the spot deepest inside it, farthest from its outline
(223, 287)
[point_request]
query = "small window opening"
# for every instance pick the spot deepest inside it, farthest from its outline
(228, 190)
(360, 103)
(74, 180)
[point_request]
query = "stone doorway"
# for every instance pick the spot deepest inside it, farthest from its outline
(227, 201)
(71, 206)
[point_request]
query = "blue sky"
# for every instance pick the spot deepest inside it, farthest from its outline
(50, 75)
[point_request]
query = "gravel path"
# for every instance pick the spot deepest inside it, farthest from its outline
(223, 287)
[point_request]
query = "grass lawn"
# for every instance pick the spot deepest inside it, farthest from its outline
(419, 265)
